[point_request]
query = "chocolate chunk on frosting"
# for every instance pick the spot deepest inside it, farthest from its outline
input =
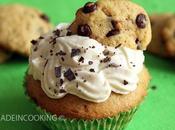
(57, 32)
(75, 52)
(34, 42)
(61, 53)
(69, 75)
(58, 72)
(125, 82)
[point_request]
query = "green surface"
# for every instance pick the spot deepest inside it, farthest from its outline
(156, 113)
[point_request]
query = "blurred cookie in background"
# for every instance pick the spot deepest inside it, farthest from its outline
(169, 36)
(4, 55)
(158, 43)
(163, 32)
(20, 24)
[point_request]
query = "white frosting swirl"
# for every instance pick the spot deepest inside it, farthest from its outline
(97, 70)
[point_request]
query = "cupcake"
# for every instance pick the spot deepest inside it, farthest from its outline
(90, 73)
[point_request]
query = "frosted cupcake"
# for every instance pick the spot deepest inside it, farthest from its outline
(88, 85)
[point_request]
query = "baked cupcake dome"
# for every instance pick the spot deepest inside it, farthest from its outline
(73, 107)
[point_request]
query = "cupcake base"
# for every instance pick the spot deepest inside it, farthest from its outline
(118, 122)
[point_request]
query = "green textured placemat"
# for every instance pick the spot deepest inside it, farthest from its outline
(156, 113)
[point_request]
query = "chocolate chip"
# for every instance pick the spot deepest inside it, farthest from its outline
(141, 21)
(58, 72)
(57, 32)
(75, 52)
(115, 29)
(45, 17)
(137, 41)
(118, 46)
(125, 82)
(115, 24)
(90, 62)
(61, 53)
(92, 70)
(62, 91)
(34, 42)
(69, 75)
(89, 7)
(113, 32)
(84, 30)
(81, 59)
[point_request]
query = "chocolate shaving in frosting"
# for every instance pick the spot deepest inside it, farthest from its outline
(125, 82)
(61, 53)
(92, 70)
(62, 91)
(69, 75)
(81, 59)
(75, 52)
(58, 72)
(34, 42)
(107, 59)
(57, 32)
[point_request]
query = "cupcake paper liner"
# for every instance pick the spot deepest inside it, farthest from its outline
(118, 122)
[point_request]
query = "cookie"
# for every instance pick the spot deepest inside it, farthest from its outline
(114, 22)
(19, 25)
(4, 55)
(158, 43)
(169, 36)
(73, 107)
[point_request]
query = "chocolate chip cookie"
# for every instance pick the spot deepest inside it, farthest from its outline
(114, 22)
(158, 43)
(19, 25)
(168, 33)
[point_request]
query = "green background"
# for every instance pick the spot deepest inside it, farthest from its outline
(156, 113)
